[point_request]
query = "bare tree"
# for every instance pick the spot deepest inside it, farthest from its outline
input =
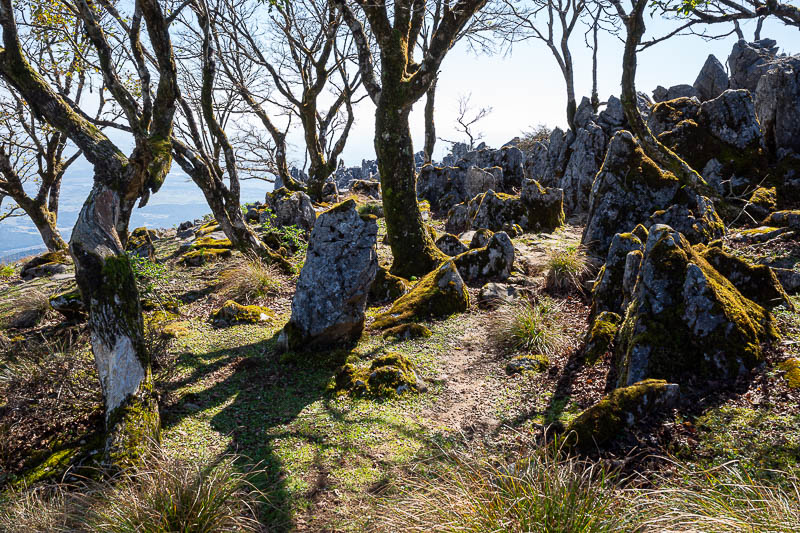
(306, 55)
(102, 268)
(467, 118)
(403, 81)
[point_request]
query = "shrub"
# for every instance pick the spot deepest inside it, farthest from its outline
(566, 269)
(248, 280)
(533, 135)
(290, 237)
(534, 326)
(546, 492)
(6, 271)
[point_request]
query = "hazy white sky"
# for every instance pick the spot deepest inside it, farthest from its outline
(526, 88)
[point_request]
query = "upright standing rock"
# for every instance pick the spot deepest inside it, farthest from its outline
(328, 306)
(712, 80)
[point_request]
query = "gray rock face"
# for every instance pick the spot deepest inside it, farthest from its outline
(606, 294)
(445, 187)
(701, 225)
(493, 294)
(451, 245)
(666, 115)
(749, 61)
(712, 80)
(627, 190)
(777, 103)
(588, 151)
(458, 219)
(660, 94)
(328, 306)
(731, 118)
(685, 318)
(366, 187)
(508, 158)
(612, 118)
(292, 209)
(493, 261)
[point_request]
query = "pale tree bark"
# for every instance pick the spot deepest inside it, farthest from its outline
(102, 268)
(403, 81)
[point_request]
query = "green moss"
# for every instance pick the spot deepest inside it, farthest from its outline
(407, 331)
(341, 207)
(600, 338)
(133, 426)
(440, 293)
(622, 408)
(765, 197)
(389, 375)
(791, 369)
(527, 363)
(204, 255)
(481, 238)
(211, 243)
(208, 227)
(234, 313)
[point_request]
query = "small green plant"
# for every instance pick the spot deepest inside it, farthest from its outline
(6, 271)
(290, 237)
(249, 280)
(150, 277)
(566, 269)
(371, 208)
(534, 326)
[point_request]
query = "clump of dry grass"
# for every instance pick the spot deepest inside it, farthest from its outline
(249, 280)
(531, 325)
(162, 495)
(566, 270)
(29, 307)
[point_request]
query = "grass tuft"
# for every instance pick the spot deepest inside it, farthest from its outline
(534, 326)
(249, 280)
(566, 270)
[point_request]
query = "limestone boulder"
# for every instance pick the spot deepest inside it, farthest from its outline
(712, 80)
(661, 94)
(369, 188)
(749, 61)
(495, 260)
(291, 208)
(686, 321)
(451, 245)
(777, 103)
(341, 263)
(140, 244)
(607, 295)
(45, 265)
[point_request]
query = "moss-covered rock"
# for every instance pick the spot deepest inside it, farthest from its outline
(208, 227)
(407, 331)
(234, 313)
(759, 234)
(212, 243)
(70, 305)
(46, 264)
(494, 260)
(756, 282)
(387, 287)
(619, 410)
(783, 219)
(687, 319)
(763, 201)
(388, 376)
(600, 337)
(451, 245)
(440, 293)
(140, 243)
(608, 293)
(480, 238)
(701, 224)
(201, 256)
(791, 369)
(545, 206)
(527, 363)
(176, 330)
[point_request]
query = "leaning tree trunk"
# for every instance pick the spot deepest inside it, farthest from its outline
(654, 149)
(430, 125)
(46, 223)
(414, 251)
(107, 284)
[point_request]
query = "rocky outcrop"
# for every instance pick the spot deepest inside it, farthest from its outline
(44, 265)
(451, 245)
(777, 103)
(291, 208)
(749, 61)
(388, 376)
(439, 294)
(366, 187)
(668, 114)
(536, 209)
(712, 80)
(140, 243)
(686, 320)
(606, 293)
(701, 224)
(661, 94)
(587, 153)
(445, 187)
(331, 296)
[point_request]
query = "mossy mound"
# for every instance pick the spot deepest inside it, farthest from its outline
(212, 243)
(791, 369)
(527, 363)
(140, 243)
(176, 330)
(763, 200)
(201, 256)
(69, 304)
(686, 319)
(481, 238)
(234, 313)
(407, 331)
(756, 282)
(619, 410)
(205, 229)
(45, 264)
(600, 338)
(440, 293)
(388, 376)
(386, 287)
(78, 458)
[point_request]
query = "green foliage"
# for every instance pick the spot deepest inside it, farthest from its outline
(6, 271)
(291, 237)
(151, 279)
(531, 326)
(566, 269)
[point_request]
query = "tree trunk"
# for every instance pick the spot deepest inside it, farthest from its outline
(415, 253)
(654, 149)
(107, 284)
(45, 222)
(572, 105)
(430, 125)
